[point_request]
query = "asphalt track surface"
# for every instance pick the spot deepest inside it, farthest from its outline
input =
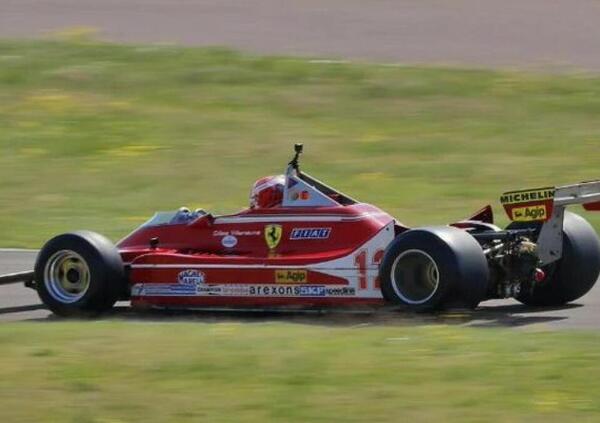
(535, 34)
(18, 303)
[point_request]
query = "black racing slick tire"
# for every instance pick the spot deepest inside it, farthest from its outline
(575, 273)
(429, 268)
(79, 274)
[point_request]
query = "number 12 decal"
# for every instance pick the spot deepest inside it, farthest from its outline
(360, 261)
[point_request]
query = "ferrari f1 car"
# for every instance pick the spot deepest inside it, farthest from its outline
(303, 244)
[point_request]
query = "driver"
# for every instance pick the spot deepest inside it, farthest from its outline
(267, 192)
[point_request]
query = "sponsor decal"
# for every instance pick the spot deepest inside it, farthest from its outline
(137, 290)
(210, 290)
(229, 241)
(164, 290)
(291, 276)
(343, 291)
(302, 195)
(529, 213)
(188, 284)
(235, 232)
(273, 235)
(529, 205)
(310, 233)
(516, 197)
(235, 290)
(190, 277)
(301, 291)
(287, 291)
(241, 290)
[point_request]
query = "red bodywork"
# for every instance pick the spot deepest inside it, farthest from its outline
(315, 247)
(292, 256)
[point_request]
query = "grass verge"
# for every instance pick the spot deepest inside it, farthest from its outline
(224, 372)
(98, 136)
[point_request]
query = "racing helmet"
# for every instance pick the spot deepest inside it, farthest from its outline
(267, 192)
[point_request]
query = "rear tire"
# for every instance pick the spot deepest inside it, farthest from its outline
(575, 273)
(426, 269)
(79, 274)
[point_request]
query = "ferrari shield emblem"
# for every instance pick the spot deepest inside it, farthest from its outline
(273, 235)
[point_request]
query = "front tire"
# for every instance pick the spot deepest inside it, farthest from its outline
(426, 269)
(79, 274)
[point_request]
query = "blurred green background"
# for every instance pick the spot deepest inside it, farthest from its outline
(99, 136)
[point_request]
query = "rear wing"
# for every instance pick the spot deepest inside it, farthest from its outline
(586, 193)
(547, 206)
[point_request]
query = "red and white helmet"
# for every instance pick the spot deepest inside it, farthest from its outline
(267, 192)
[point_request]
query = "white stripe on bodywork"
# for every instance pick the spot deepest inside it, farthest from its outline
(297, 218)
(213, 266)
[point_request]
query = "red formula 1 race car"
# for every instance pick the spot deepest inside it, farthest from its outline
(304, 244)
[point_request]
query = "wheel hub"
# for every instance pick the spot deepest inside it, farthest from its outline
(415, 277)
(73, 275)
(67, 276)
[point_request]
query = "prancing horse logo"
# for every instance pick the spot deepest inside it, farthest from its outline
(273, 235)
